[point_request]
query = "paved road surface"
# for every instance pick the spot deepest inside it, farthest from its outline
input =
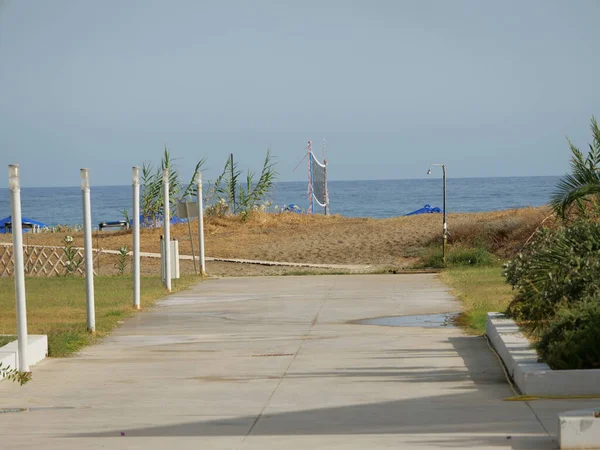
(274, 363)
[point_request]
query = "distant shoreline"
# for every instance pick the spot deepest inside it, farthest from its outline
(329, 181)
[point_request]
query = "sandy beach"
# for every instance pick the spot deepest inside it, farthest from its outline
(396, 243)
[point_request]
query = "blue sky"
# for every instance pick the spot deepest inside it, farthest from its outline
(490, 88)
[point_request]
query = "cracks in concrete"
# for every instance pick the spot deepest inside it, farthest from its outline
(283, 376)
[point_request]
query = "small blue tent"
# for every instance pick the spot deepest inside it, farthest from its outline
(427, 209)
(28, 225)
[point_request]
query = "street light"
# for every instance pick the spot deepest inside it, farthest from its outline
(445, 231)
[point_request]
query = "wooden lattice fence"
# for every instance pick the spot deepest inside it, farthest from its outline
(45, 261)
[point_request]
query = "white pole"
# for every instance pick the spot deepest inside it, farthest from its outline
(14, 184)
(167, 227)
(136, 236)
(87, 249)
(200, 225)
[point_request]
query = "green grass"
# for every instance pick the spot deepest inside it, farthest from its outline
(6, 339)
(481, 290)
(457, 255)
(56, 307)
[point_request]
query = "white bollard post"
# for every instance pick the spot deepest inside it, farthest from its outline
(167, 228)
(175, 258)
(200, 225)
(87, 250)
(14, 184)
(136, 236)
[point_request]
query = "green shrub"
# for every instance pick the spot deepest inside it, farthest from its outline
(572, 340)
(464, 256)
(557, 269)
(458, 256)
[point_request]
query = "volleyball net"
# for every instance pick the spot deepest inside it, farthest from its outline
(317, 184)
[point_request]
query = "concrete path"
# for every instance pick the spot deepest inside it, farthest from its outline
(273, 363)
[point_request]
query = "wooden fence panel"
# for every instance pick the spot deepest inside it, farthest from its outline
(41, 261)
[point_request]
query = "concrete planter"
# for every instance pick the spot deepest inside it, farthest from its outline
(37, 350)
(531, 376)
(577, 429)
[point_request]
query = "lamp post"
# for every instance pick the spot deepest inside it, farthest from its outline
(135, 182)
(14, 184)
(87, 250)
(445, 231)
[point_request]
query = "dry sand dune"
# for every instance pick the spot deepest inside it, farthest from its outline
(328, 240)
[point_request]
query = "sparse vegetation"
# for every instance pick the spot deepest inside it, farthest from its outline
(151, 199)
(72, 256)
(503, 235)
(456, 256)
(481, 290)
(14, 375)
(122, 259)
(6, 339)
(228, 195)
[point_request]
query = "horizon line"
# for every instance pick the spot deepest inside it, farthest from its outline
(330, 181)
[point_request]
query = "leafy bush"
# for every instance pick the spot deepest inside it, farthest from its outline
(557, 268)
(572, 341)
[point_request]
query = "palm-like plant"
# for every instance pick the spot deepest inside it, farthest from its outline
(152, 197)
(242, 198)
(579, 189)
(255, 193)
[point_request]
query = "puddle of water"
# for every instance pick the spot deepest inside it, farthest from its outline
(423, 320)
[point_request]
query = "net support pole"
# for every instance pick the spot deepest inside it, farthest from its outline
(310, 179)
(325, 188)
(232, 175)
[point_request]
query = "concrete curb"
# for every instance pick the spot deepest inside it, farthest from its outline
(531, 376)
(37, 350)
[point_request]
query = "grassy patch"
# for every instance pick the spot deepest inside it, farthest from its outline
(456, 255)
(6, 339)
(481, 289)
(56, 307)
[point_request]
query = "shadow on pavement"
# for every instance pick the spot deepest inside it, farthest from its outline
(475, 416)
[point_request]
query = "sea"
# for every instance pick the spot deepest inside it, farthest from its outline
(375, 198)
